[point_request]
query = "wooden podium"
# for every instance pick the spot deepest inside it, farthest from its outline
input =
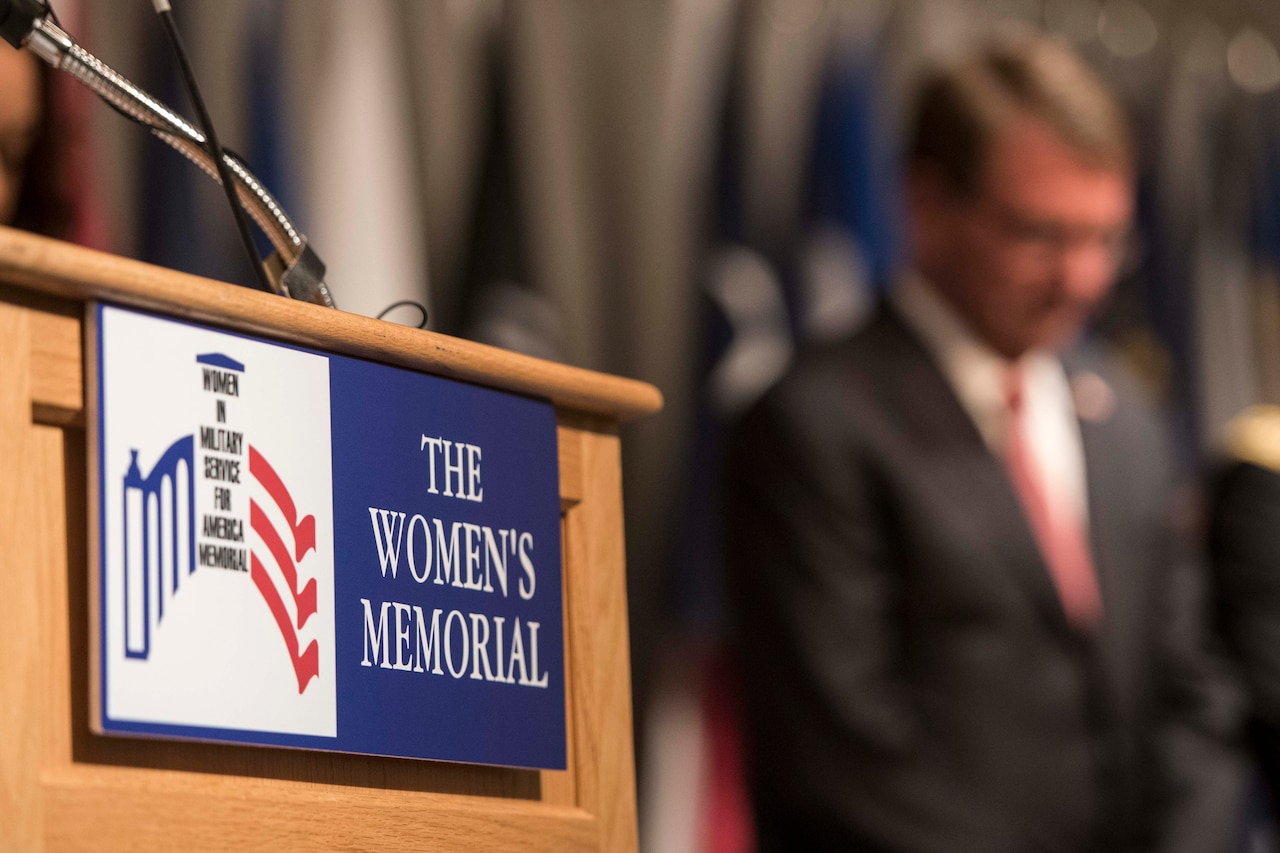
(62, 787)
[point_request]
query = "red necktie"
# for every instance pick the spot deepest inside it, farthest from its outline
(1060, 535)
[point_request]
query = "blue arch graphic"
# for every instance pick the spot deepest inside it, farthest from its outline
(164, 475)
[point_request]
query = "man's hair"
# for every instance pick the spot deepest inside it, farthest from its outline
(962, 108)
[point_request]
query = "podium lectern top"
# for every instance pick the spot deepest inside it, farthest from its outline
(72, 272)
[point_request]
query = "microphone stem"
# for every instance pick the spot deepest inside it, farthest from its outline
(215, 148)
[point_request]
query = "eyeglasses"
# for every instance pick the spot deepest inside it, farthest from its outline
(1049, 240)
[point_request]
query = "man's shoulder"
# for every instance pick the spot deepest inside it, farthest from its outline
(833, 392)
(831, 374)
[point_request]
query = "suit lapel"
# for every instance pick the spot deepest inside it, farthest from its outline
(966, 478)
(1105, 464)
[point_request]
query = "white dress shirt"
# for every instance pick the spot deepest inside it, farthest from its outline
(977, 374)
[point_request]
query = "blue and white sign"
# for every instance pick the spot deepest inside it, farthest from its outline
(306, 550)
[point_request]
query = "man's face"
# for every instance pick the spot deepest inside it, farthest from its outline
(19, 119)
(1029, 255)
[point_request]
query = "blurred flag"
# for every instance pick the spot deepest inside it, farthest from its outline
(358, 165)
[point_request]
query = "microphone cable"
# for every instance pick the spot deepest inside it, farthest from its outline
(165, 12)
(406, 303)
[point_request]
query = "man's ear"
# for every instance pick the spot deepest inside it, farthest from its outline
(932, 203)
(927, 185)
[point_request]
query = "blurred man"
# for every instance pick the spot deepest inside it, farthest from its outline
(963, 618)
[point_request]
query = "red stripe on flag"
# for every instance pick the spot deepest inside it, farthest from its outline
(304, 530)
(306, 666)
(305, 601)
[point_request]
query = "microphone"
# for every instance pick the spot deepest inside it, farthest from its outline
(294, 268)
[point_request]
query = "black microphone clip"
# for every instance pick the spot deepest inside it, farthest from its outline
(18, 17)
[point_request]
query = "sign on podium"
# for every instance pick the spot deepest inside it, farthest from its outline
(307, 550)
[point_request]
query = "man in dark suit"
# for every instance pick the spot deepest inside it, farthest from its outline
(962, 614)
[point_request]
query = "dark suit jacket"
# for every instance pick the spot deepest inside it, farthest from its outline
(911, 682)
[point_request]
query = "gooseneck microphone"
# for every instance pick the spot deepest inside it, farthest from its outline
(295, 269)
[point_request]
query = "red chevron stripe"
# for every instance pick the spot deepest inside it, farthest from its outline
(306, 666)
(304, 600)
(304, 529)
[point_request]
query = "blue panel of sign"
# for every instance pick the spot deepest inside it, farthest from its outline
(306, 550)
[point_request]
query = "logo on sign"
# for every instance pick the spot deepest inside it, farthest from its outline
(222, 575)
(272, 565)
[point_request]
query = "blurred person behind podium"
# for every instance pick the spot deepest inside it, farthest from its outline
(31, 194)
(1244, 543)
(964, 618)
